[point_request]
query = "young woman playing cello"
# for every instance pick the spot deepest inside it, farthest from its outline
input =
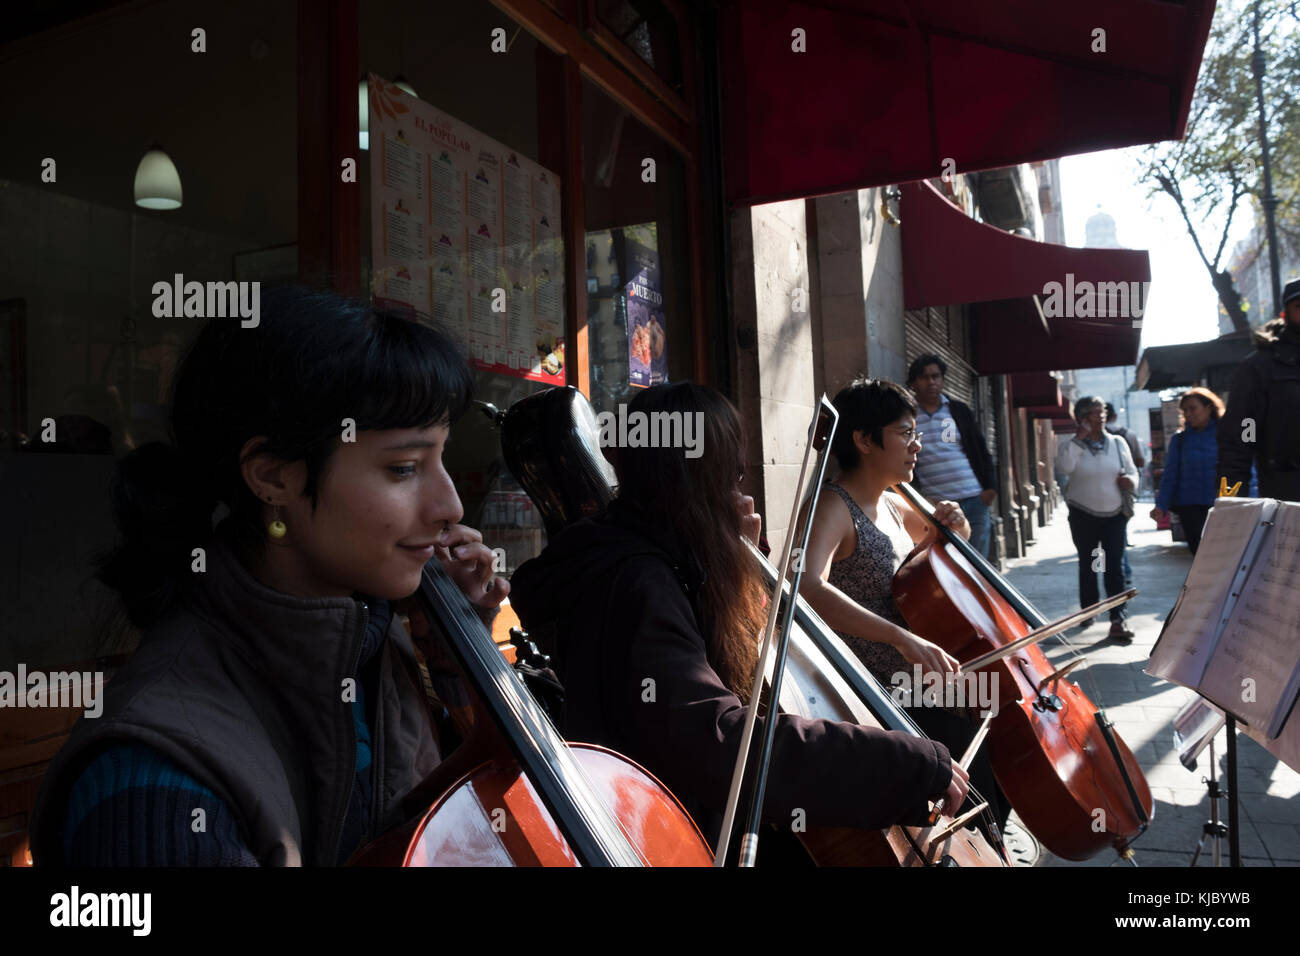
(861, 534)
(274, 713)
(655, 609)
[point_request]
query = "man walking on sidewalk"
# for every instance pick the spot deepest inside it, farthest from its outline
(953, 462)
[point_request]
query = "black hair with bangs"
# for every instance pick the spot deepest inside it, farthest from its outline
(314, 360)
(867, 405)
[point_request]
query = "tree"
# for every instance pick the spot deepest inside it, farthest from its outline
(1219, 163)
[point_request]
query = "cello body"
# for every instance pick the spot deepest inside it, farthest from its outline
(514, 793)
(1047, 746)
(493, 816)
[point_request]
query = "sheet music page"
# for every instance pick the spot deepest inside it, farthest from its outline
(1185, 648)
(1254, 671)
(1285, 747)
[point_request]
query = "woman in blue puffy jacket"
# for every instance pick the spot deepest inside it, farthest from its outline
(1190, 483)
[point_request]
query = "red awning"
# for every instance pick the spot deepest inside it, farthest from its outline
(1010, 336)
(949, 258)
(1035, 391)
(1055, 413)
(889, 89)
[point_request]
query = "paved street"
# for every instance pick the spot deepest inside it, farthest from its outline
(1143, 707)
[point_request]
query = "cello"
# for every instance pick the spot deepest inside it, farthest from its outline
(1068, 775)
(514, 793)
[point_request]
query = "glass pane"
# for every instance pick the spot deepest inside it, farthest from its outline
(639, 324)
(483, 137)
(84, 356)
(650, 31)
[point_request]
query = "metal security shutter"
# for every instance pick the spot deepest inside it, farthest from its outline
(943, 331)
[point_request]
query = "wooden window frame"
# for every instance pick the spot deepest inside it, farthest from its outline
(604, 37)
(329, 210)
(584, 60)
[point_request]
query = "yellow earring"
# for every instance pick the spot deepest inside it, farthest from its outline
(276, 528)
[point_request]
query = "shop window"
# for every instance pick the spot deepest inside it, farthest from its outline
(639, 325)
(82, 249)
(461, 219)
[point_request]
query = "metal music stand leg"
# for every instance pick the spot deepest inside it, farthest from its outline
(1214, 830)
(1234, 831)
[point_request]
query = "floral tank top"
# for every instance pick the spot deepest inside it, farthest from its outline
(866, 576)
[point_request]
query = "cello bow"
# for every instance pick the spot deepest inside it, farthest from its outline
(754, 784)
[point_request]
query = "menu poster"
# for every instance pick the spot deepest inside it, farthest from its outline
(647, 356)
(467, 230)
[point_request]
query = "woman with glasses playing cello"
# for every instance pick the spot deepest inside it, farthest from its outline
(861, 535)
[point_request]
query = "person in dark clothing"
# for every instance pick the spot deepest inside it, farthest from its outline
(953, 462)
(1260, 425)
(652, 612)
(1188, 485)
(274, 713)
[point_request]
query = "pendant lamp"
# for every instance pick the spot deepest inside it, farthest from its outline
(363, 112)
(157, 184)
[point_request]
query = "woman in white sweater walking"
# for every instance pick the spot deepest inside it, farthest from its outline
(1100, 469)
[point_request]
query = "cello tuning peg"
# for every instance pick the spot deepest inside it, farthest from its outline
(527, 651)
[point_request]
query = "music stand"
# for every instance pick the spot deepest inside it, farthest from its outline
(1195, 728)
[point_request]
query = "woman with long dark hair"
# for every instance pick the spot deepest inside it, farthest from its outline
(274, 713)
(652, 613)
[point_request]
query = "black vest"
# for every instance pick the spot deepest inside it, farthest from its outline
(243, 689)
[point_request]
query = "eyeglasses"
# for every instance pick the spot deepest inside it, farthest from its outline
(909, 435)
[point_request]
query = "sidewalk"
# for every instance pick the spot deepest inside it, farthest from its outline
(1143, 707)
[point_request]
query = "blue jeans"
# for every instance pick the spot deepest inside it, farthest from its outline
(977, 513)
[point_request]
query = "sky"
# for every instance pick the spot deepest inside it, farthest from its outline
(1183, 306)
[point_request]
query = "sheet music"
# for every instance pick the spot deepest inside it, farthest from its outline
(1285, 747)
(1261, 643)
(1185, 649)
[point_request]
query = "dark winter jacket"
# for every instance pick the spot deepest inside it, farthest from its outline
(1266, 391)
(243, 689)
(1189, 477)
(614, 594)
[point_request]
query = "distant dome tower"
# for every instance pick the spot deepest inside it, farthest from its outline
(1099, 233)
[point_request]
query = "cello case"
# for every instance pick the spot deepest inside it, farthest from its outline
(550, 444)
